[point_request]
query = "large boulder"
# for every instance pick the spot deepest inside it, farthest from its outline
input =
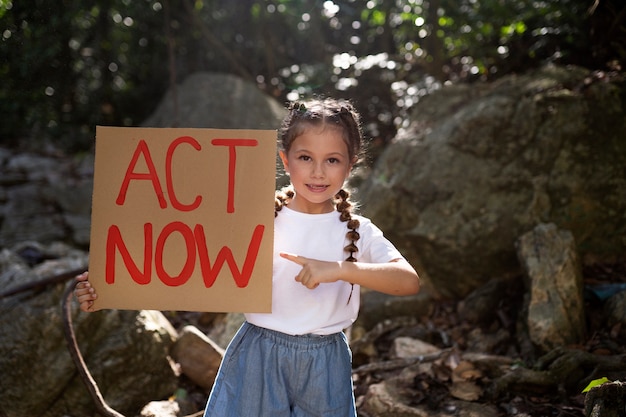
(482, 164)
(214, 100)
(127, 352)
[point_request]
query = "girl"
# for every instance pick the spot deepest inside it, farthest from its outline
(295, 361)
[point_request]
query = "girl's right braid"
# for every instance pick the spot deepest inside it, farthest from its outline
(282, 197)
(317, 113)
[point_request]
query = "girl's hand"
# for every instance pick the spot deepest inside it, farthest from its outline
(314, 272)
(84, 292)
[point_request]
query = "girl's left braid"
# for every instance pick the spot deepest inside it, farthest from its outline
(344, 206)
(317, 113)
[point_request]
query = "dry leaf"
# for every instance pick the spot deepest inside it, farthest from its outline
(466, 391)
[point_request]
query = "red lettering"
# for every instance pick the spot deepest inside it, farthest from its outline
(142, 149)
(232, 162)
(115, 241)
(190, 261)
(168, 172)
(242, 278)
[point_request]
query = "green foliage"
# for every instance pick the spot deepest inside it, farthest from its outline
(67, 66)
(595, 383)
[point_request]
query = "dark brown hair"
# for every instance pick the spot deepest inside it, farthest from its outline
(327, 113)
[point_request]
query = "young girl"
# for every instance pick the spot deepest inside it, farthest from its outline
(295, 361)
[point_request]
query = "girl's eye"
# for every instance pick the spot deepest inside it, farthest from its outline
(333, 160)
(304, 157)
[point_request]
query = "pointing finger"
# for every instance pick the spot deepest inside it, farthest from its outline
(300, 260)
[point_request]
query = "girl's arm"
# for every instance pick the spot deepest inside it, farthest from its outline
(397, 277)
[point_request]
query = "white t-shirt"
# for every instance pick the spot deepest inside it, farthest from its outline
(297, 310)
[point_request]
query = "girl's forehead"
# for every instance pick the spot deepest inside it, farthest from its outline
(323, 138)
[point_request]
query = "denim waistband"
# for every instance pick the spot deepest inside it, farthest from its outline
(303, 341)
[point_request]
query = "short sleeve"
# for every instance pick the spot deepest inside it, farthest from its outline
(373, 246)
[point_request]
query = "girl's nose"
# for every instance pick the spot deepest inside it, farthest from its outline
(318, 170)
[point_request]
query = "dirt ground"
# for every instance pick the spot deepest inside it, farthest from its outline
(457, 373)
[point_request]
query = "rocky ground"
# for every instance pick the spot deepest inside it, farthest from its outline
(452, 376)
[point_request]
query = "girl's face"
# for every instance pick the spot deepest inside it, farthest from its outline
(318, 163)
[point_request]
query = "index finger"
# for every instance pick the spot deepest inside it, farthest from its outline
(300, 260)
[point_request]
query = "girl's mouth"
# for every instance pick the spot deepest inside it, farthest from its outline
(317, 188)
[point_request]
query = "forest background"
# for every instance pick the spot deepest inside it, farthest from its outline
(68, 66)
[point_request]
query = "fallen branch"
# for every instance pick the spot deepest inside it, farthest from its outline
(560, 369)
(64, 276)
(77, 357)
(399, 363)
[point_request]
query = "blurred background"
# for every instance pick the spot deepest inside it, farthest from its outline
(512, 145)
(67, 66)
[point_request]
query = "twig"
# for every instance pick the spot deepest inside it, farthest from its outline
(77, 357)
(42, 283)
(399, 363)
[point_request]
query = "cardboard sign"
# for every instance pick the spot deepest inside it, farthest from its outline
(183, 219)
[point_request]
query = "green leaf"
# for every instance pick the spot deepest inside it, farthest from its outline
(596, 383)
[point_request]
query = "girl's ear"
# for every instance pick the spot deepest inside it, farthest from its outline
(283, 157)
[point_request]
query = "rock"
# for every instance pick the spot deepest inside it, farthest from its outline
(215, 100)
(381, 400)
(384, 400)
(223, 331)
(481, 165)
(482, 304)
(161, 409)
(606, 400)
(407, 347)
(377, 307)
(615, 310)
(46, 199)
(555, 306)
(479, 341)
(127, 352)
(30, 215)
(199, 357)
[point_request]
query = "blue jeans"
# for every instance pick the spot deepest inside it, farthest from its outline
(266, 373)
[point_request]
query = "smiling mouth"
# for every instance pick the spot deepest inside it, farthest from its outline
(317, 188)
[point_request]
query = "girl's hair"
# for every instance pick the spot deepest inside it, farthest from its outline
(325, 113)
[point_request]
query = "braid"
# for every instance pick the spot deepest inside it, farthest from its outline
(282, 197)
(339, 114)
(344, 206)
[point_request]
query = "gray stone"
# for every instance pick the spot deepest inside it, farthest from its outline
(214, 100)
(199, 357)
(615, 310)
(127, 352)
(555, 307)
(480, 165)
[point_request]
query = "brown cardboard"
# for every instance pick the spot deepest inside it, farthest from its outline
(175, 212)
